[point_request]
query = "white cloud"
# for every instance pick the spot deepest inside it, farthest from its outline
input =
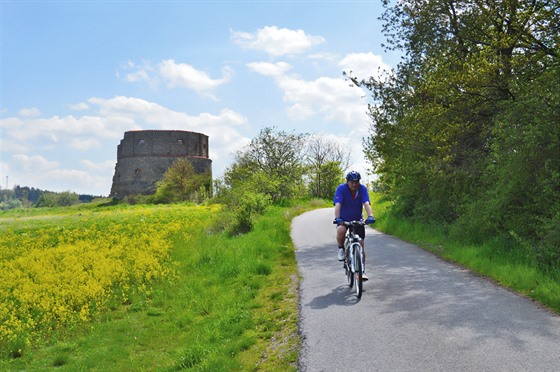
(4, 168)
(149, 114)
(34, 164)
(186, 76)
(84, 143)
(39, 172)
(82, 106)
(103, 166)
(81, 181)
(331, 98)
(270, 69)
(298, 112)
(143, 72)
(14, 147)
(276, 41)
(29, 112)
(125, 107)
(363, 65)
(176, 75)
(61, 131)
(139, 75)
(330, 57)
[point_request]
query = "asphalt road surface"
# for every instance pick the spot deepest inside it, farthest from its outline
(417, 312)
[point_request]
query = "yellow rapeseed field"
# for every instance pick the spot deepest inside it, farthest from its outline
(61, 270)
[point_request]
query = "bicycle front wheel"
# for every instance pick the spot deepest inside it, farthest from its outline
(349, 270)
(358, 269)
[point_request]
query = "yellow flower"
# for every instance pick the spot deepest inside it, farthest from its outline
(65, 270)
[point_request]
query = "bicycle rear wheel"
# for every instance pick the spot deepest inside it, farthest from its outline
(358, 270)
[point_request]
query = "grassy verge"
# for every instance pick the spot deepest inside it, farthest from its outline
(230, 305)
(498, 259)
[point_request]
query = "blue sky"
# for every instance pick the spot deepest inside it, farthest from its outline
(75, 75)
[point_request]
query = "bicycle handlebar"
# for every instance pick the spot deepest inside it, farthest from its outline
(351, 223)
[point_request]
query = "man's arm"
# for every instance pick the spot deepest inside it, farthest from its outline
(337, 210)
(368, 209)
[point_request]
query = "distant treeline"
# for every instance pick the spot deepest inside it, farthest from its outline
(24, 196)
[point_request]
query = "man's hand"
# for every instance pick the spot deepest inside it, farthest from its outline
(370, 220)
(338, 220)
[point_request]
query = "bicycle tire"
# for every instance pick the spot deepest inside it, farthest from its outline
(358, 268)
(348, 266)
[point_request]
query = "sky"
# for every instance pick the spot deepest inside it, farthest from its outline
(76, 75)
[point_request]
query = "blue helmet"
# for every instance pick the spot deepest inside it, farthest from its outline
(353, 176)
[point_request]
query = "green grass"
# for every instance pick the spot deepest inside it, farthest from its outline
(499, 259)
(231, 306)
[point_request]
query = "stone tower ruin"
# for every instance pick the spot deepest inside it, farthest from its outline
(143, 157)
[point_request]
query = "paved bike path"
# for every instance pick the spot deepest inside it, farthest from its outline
(417, 312)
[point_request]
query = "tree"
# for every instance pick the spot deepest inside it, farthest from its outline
(8, 200)
(67, 198)
(325, 179)
(27, 194)
(456, 125)
(180, 183)
(273, 164)
(268, 170)
(53, 199)
(521, 193)
(433, 119)
(326, 162)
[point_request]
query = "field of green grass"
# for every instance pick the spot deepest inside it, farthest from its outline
(99, 287)
(203, 300)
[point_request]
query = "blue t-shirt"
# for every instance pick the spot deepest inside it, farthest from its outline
(351, 205)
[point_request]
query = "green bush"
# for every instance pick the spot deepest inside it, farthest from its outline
(52, 199)
(11, 204)
(245, 207)
(181, 183)
(547, 251)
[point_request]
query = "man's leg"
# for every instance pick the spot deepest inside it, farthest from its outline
(340, 236)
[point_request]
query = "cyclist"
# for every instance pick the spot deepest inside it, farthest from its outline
(349, 199)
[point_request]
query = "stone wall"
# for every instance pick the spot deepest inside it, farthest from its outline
(144, 156)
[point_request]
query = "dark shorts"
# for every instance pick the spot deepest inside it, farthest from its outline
(361, 231)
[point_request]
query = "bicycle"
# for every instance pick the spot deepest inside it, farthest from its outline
(353, 256)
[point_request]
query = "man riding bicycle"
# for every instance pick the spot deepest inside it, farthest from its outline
(349, 199)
